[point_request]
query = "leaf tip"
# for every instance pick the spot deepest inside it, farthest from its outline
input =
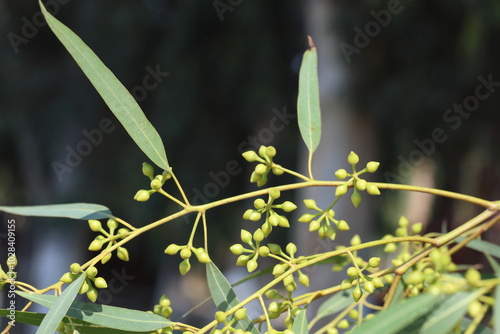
(311, 42)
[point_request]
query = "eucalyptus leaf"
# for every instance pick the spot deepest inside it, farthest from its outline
(115, 95)
(73, 210)
(300, 323)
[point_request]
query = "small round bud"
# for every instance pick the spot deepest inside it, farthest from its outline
(372, 166)
(277, 171)
(353, 158)
(156, 184)
(122, 253)
(291, 248)
(372, 189)
(473, 277)
(344, 324)
(271, 152)
(258, 235)
(250, 156)
(164, 301)
(403, 221)
(377, 282)
(260, 169)
(67, 278)
(254, 216)
(357, 293)
(92, 294)
(100, 283)
(274, 193)
(279, 269)
(242, 260)
(306, 218)
(369, 287)
(220, 316)
(91, 272)
(417, 228)
(274, 248)
(246, 236)
(415, 278)
(303, 279)
(346, 284)
(274, 307)
(172, 249)
(341, 190)
(272, 294)
(186, 253)
(343, 226)
(112, 224)
(474, 308)
(361, 184)
(352, 272)
(166, 311)
(236, 249)
(311, 204)
(123, 232)
(314, 225)
(95, 225)
(251, 265)
(374, 262)
(356, 240)
(264, 251)
(274, 220)
(95, 245)
(401, 232)
(288, 206)
(202, 255)
(390, 247)
(106, 258)
(341, 174)
(184, 267)
(148, 170)
(84, 287)
(142, 195)
(259, 203)
(255, 177)
(75, 268)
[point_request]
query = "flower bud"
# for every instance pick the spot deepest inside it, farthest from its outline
(473, 277)
(353, 158)
(100, 283)
(75, 268)
(374, 262)
(67, 278)
(242, 260)
(91, 272)
(372, 189)
(306, 218)
(95, 245)
(303, 279)
(291, 248)
(357, 294)
(356, 198)
(240, 314)
(122, 253)
(220, 316)
(361, 184)
(259, 203)
(341, 174)
(142, 195)
(112, 224)
(341, 190)
(369, 287)
(148, 170)
(346, 284)
(274, 220)
(279, 269)
(271, 152)
(343, 324)
(372, 166)
(156, 184)
(251, 265)
(390, 248)
(172, 249)
(258, 235)
(106, 258)
(246, 236)
(283, 221)
(186, 253)
(260, 169)
(343, 226)
(264, 251)
(202, 255)
(184, 267)
(250, 156)
(95, 225)
(274, 248)
(352, 272)
(92, 294)
(84, 287)
(274, 193)
(277, 171)
(314, 225)
(417, 228)
(377, 282)
(311, 204)
(288, 206)
(236, 249)
(356, 240)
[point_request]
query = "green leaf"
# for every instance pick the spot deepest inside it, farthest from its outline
(73, 210)
(60, 307)
(81, 326)
(224, 296)
(480, 329)
(445, 316)
(399, 316)
(334, 304)
(300, 323)
(494, 264)
(115, 95)
(308, 109)
(482, 246)
(106, 316)
(496, 310)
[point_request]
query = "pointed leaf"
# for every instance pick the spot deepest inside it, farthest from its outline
(482, 246)
(496, 310)
(494, 264)
(73, 210)
(60, 307)
(308, 109)
(224, 296)
(334, 304)
(115, 95)
(300, 323)
(35, 319)
(106, 316)
(399, 316)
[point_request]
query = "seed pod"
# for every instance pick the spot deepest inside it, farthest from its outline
(341, 174)
(122, 253)
(341, 190)
(95, 225)
(236, 249)
(148, 170)
(250, 156)
(100, 283)
(372, 166)
(353, 158)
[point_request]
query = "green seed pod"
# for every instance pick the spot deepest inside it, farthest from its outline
(291, 287)
(258, 235)
(106, 258)
(246, 236)
(277, 171)
(473, 277)
(353, 314)
(390, 247)
(352, 272)
(343, 324)
(264, 251)
(172, 249)
(356, 198)
(353, 158)
(92, 294)
(274, 248)
(288, 206)
(112, 224)
(259, 203)
(164, 301)
(374, 262)
(356, 240)
(415, 278)
(91, 272)
(236, 249)
(267, 228)
(369, 286)
(142, 195)
(314, 225)
(260, 169)
(274, 193)
(67, 278)
(357, 293)
(100, 283)
(156, 184)
(341, 174)
(95, 245)
(262, 181)
(84, 287)
(262, 151)
(242, 260)
(186, 253)
(346, 284)
(274, 220)
(343, 226)
(341, 190)
(306, 218)
(240, 314)
(417, 228)
(283, 222)
(372, 189)
(311, 204)
(361, 185)
(279, 269)
(95, 225)
(254, 177)
(372, 166)
(254, 216)
(250, 156)
(303, 279)
(291, 248)
(148, 170)
(252, 265)
(271, 152)
(166, 311)
(377, 282)
(274, 307)
(184, 267)
(220, 316)
(403, 221)
(75, 268)
(122, 253)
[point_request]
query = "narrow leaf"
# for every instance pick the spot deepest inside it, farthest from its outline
(480, 329)
(115, 95)
(496, 310)
(300, 323)
(73, 210)
(60, 307)
(224, 296)
(482, 246)
(308, 109)
(334, 304)
(399, 316)
(106, 316)
(34, 319)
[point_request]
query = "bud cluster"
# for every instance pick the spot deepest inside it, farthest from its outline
(91, 281)
(322, 221)
(186, 251)
(109, 237)
(156, 182)
(266, 164)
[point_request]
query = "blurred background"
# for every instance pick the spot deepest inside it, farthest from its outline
(412, 84)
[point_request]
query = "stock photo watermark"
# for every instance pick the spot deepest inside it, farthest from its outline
(265, 136)
(30, 28)
(372, 29)
(453, 118)
(11, 274)
(223, 6)
(116, 285)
